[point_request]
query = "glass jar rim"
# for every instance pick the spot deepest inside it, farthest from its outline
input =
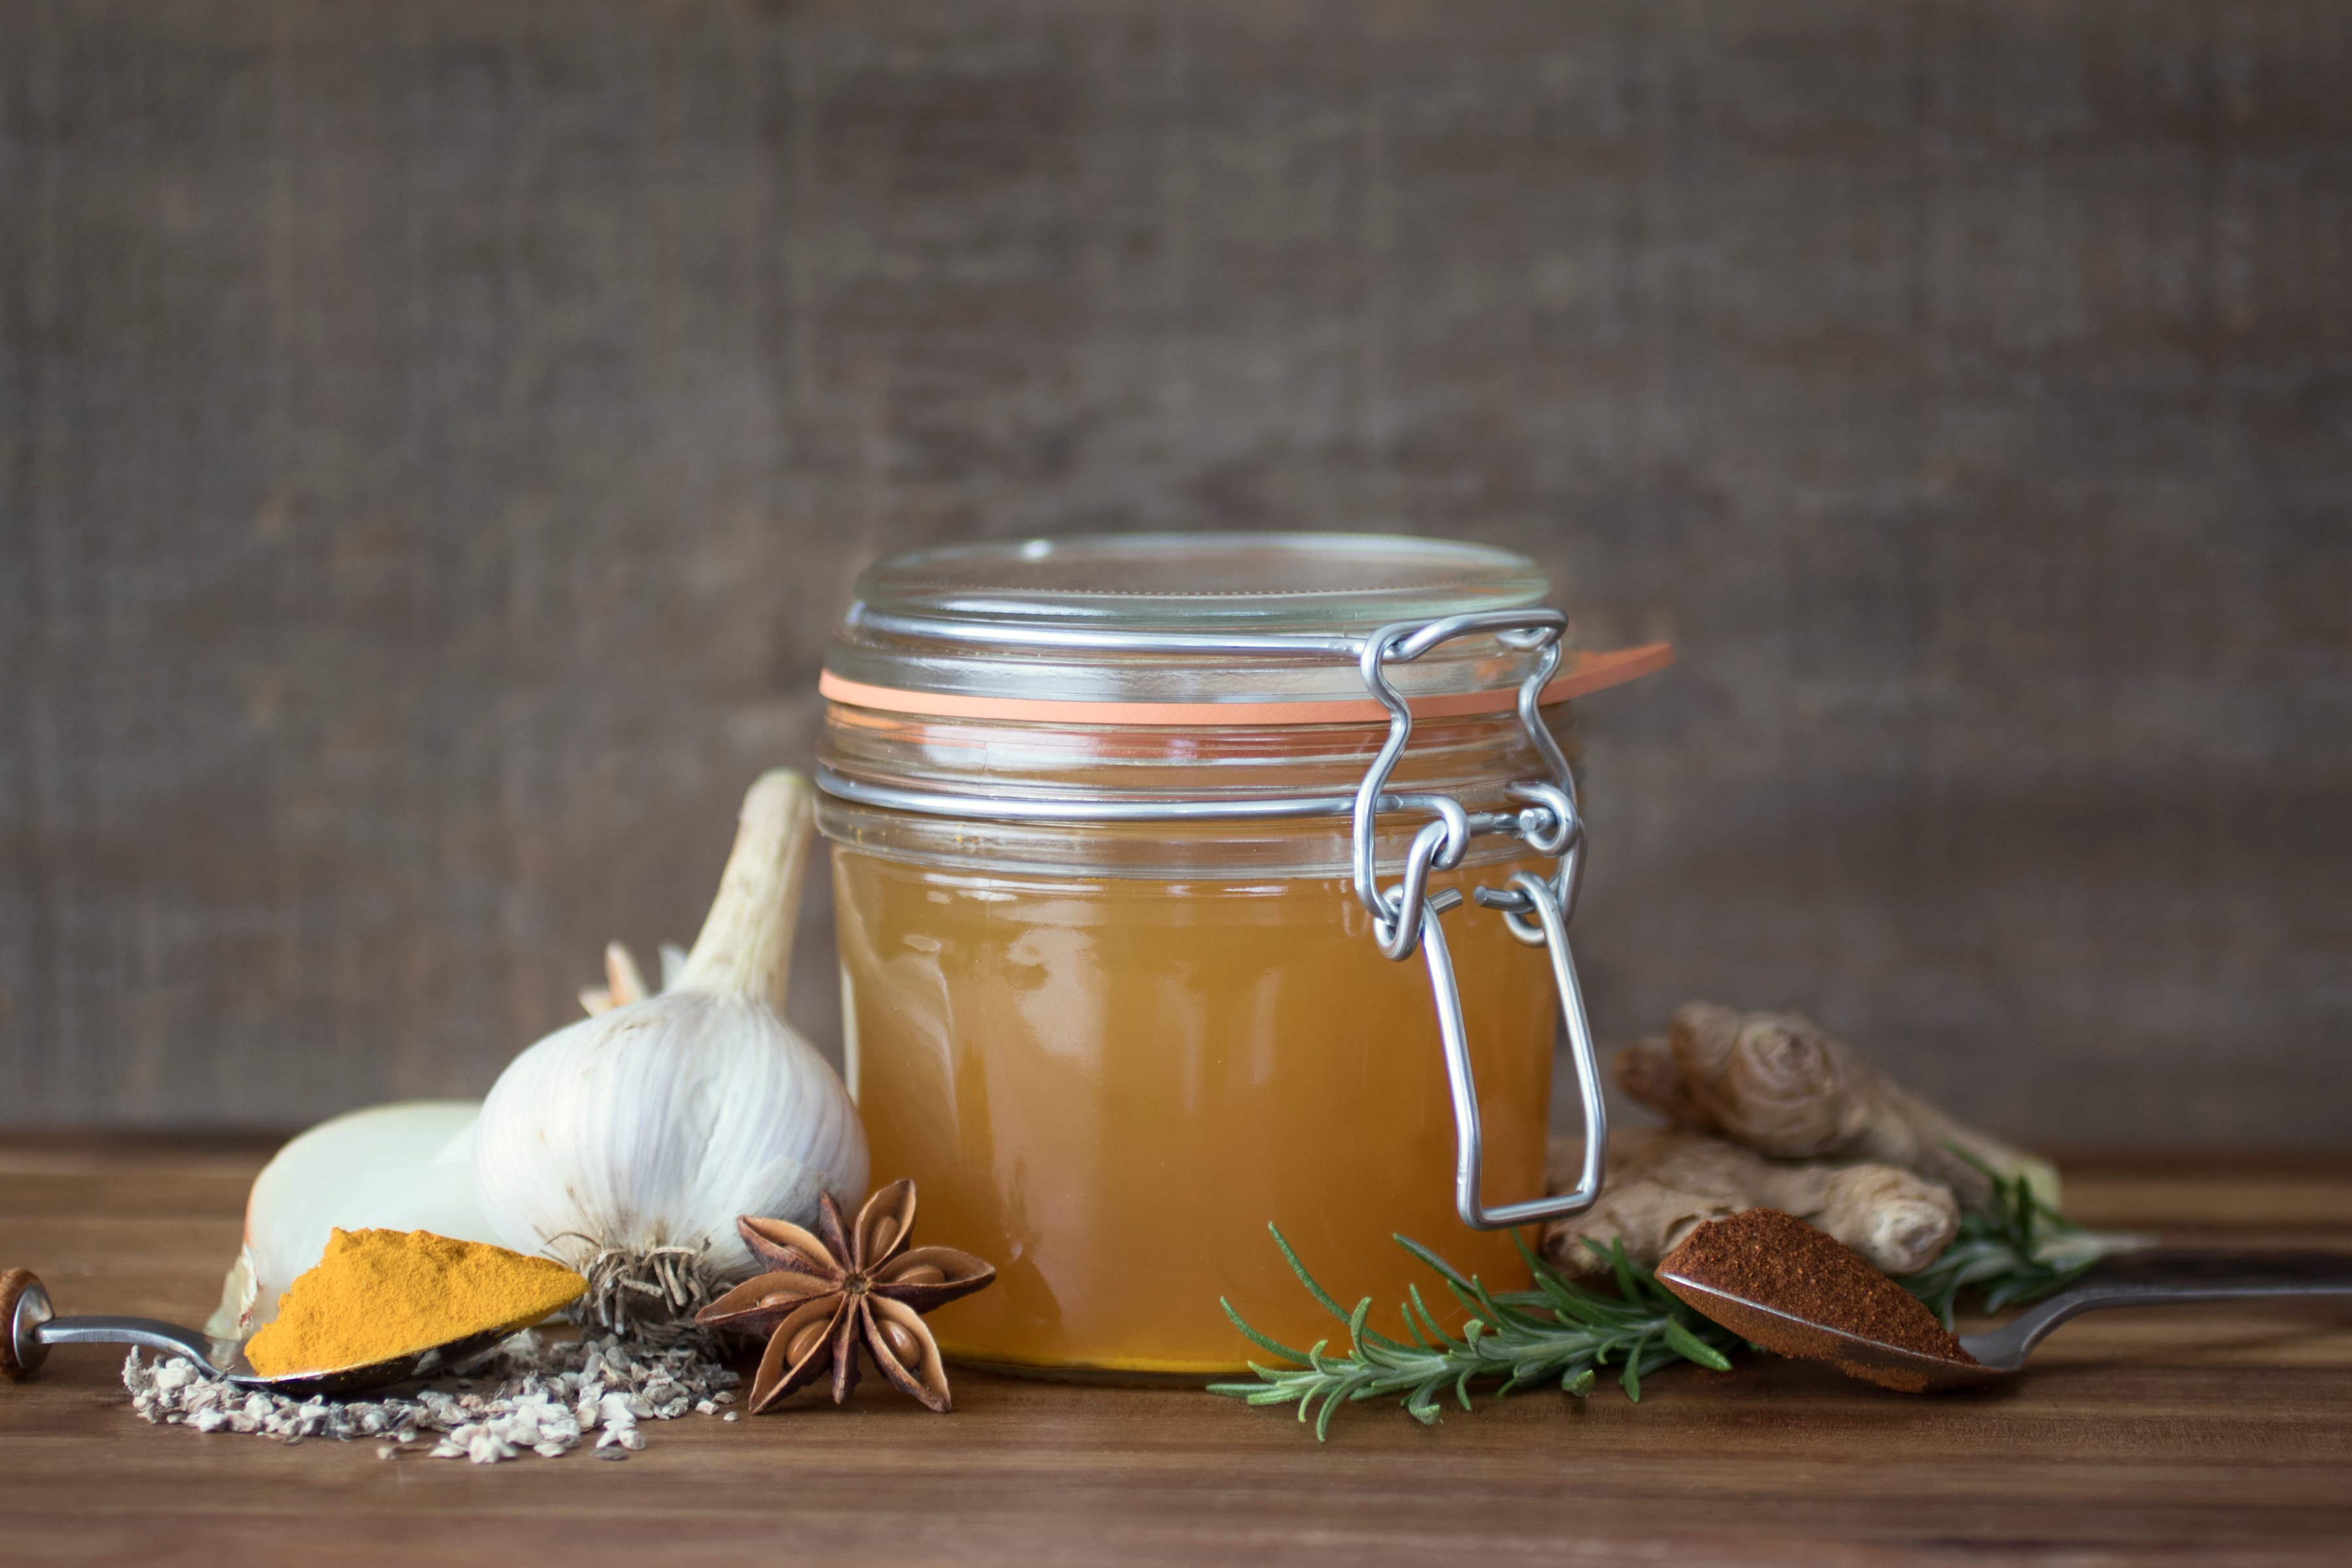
(1265, 582)
(1172, 620)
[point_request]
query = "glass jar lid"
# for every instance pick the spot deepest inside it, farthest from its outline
(1168, 623)
(1194, 582)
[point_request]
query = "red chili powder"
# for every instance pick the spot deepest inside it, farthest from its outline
(1777, 1260)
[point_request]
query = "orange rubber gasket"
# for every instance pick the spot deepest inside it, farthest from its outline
(1592, 672)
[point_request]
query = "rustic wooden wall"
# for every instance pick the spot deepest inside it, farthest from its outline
(434, 438)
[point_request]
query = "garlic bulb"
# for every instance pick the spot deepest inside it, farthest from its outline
(399, 1167)
(635, 1137)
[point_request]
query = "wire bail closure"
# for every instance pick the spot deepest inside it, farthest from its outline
(1406, 917)
(1537, 911)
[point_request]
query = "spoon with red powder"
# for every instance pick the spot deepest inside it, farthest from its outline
(1779, 1282)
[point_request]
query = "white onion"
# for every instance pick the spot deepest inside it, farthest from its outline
(398, 1167)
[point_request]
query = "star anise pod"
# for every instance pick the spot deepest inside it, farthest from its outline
(827, 1293)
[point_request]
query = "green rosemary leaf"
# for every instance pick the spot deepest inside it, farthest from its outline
(1357, 1333)
(1305, 1279)
(1445, 1271)
(1438, 1338)
(1551, 1292)
(1690, 1347)
(1413, 1310)
(1497, 1313)
(1583, 1307)
(1259, 1339)
(1623, 1269)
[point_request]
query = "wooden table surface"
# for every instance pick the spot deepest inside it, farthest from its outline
(2177, 1434)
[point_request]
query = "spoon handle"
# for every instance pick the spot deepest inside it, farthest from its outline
(151, 1332)
(2164, 1278)
(30, 1326)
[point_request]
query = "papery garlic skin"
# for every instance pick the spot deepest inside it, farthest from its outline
(657, 1123)
(408, 1166)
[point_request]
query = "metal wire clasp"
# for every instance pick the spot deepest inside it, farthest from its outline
(1408, 916)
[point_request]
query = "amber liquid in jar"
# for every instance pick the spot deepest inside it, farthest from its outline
(1109, 1087)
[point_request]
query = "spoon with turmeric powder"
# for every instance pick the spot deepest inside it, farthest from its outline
(1790, 1288)
(381, 1307)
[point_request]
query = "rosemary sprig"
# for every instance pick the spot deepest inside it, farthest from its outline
(2015, 1248)
(1558, 1331)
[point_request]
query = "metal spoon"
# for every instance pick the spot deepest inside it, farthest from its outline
(2145, 1279)
(33, 1326)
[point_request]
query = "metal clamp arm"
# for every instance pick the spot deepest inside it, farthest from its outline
(1470, 1142)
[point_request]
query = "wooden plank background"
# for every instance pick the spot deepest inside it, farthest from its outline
(435, 437)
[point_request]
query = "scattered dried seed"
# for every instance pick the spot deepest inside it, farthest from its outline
(543, 1397)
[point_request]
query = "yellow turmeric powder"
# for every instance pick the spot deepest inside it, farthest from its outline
(378, 1294)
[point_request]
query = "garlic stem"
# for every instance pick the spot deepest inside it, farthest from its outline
(747, 935)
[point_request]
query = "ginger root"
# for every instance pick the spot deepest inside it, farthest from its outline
(1661, 1185)
(1777, 1084)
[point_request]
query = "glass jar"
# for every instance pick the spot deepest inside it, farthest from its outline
(1132, 840)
